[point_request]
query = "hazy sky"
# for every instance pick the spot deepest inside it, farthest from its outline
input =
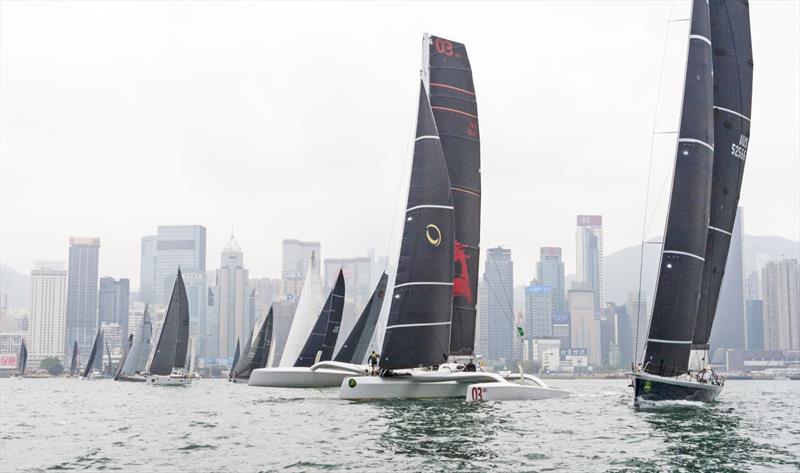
(295, 120)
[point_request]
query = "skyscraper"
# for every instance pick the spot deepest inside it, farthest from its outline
(176, 246)
(499, 279)
(296, 255)
(550, 273)
(48, 310)
(755, 325)
(197, 296)
(112, 306)
(639, 315)
(539, 303)
(589, 240)
(234, 301)
(728, 330)
(147, 269)
(482, 335)
(781, 289)
(81, 320)
(584, 325)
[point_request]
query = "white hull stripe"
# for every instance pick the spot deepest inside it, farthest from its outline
(429, 324)
(677, 342)
(685, 254)
(732, 112)
(423, 283)
(720, 230)
(448, 207)
(692, 140)
(701, 37)
(427, 137)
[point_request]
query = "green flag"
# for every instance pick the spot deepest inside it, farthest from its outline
(520, 331)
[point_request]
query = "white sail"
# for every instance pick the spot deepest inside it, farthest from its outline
(308, 309)
(136, 361)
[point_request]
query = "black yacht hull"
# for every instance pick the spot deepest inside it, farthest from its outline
(651, 388)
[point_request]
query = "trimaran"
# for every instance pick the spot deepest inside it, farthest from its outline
(707, 180)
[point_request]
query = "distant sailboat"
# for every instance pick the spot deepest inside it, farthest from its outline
(236, 355)
(73, 365)
(125, 353)
(94, 367)
(256, 356)
(108, 372)
(135, 362)
(712, 147)
(322, 340)
(22, 359)
(168, 365)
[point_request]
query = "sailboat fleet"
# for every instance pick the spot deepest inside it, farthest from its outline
(430, 330)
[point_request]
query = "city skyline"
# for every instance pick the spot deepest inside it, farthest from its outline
(219, 173)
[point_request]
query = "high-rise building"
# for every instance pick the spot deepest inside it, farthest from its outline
(234, 299)
(283, 315)
(268, 290)
(210, 341)
(539, 303)
(728, 330)
(135, 315)
(147, 269)
(589, 242)
(550, 273)
(639, 314)
(296, 255)
(112, 303)
(584, 325)
(755, 325)
(112, 336)
(48, 311)
(752, 287)
(561, 329)
(176, 246)
(498, 277)
(624, 331)
(482, 335)
(197, 295)
(780, 281)
(81, 321)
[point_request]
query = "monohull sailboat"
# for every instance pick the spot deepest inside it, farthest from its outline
(73, 364)
(709, 164)
(432, 318)
(168, 364)
(94, 367)
(22, 360)
(135, 362)
(257, 352)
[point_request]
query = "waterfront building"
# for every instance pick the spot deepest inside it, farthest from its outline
(482, 335)
(639, 314)
(499, 279)
(780, 281)
(550, 273)
(755, 325)
(47, 320)
(234, 298)
(176, 246)
(589, 254)
(81, 314)
(539, 305)
(584, 325)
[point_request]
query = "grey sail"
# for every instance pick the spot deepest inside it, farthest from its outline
(322, 340)
(256, 355)
(236, 355)
(733, 90)
(73, 365)
(109, 370)
(683, 253)
(236, 367)
(95, 361)
(22, 359)
(125, 354)
(136, 360)
(354, 349)
(170, 351)
(418, 327)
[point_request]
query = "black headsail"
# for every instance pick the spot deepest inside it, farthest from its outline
(174, 339)
(681, 270)
(455, 109)
(733, 89)
(354, 349)
(73, 365)
(96, 356)
(256, 356)
(326, 330)
(418, 328)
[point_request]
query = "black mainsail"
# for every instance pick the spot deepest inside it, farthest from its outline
(256, 356)
(681, 269)
(733, 89)
(96, 356)
(418, 327)
(73, 365)
(354, 349)
(173, 340)
(322, 339)
(452, 97)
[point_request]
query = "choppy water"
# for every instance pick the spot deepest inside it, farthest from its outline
(61, 424)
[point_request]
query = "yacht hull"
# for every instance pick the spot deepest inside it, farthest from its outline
(131, 379)
(650, 388)
(175, 379)
(320, 375)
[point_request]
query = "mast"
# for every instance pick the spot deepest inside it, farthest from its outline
(354, 349)
(733, 89)
(322, 339)
(683, 252)
(447, 76)
(418, 328)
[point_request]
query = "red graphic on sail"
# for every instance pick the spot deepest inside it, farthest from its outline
(461, 285)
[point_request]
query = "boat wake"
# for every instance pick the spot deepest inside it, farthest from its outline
(669, 404)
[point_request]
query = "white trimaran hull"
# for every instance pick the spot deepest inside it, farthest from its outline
(325, 374)
(470, 386)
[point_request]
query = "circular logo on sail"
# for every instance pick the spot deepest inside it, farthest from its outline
(434, 235)
(648, 386)
(352, 382)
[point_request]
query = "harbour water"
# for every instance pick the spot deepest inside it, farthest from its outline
(64, 424)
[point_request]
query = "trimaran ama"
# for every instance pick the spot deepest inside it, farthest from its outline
(432, 314)
(168, 365)
(314, 365)
(707, 180)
